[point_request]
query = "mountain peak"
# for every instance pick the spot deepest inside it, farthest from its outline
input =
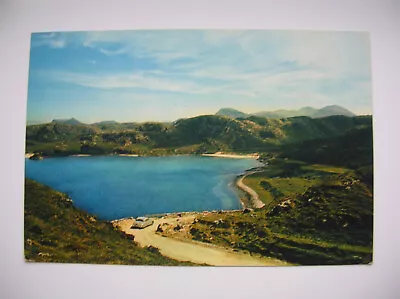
(304, 111)
(332, 110)
(70, 121)
(230, 112)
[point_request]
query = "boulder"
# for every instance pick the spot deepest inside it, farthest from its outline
(36, 156)
(247, 210)
(159, 229)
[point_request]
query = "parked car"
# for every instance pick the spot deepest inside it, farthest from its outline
(142, 222)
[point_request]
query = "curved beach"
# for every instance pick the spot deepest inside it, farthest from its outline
(255, 201)
(232, 156)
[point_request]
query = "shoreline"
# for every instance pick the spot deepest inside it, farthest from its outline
(254, 200)
(175, 214)
(233, 156)
(214, 155)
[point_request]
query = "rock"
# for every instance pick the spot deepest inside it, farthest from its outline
(43, 254)
(36, 156)
(159, 229)
(130, 237)
(247, 210)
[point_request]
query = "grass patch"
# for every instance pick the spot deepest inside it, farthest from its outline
(325, 168)
(292, 186)
(255, 184)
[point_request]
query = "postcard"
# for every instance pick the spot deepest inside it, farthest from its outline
(199, 148)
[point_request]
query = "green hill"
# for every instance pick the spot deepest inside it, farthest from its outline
(56, 231)
(314, 215)
(353, 149)
(207, 133)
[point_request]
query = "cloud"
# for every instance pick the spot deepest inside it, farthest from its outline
(52, 40)
(294, 66)
(288, 85)
(113, 52)
(124, 80)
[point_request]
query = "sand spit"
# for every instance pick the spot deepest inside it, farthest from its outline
(233, 156)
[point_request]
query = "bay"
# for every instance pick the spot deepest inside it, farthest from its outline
(113, 187)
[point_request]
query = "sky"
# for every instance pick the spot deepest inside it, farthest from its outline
(164, 75)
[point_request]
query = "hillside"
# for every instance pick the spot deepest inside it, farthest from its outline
(305, 111)
(56, 231)
(314, 215)
(353, 149)
(202, 134)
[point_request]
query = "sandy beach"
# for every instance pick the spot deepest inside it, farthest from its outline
(255, 201)
(128, 155)
(233, 156)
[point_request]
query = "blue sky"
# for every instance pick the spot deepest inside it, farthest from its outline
(164, 75)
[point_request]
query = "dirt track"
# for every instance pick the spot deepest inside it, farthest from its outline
(193, 251)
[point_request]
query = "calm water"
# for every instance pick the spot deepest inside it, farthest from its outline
(113, 187)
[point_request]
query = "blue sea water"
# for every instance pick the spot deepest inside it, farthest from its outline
(113, 187)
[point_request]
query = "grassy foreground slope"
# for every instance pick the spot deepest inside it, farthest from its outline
(56, 231)
(314, 215)
(318, 210)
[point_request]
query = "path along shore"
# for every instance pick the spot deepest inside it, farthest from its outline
(189, 250)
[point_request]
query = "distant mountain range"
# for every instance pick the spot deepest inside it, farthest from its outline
(105, 122)
(233, 113)
(74, 121)
(70, 121)
(305, 111)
